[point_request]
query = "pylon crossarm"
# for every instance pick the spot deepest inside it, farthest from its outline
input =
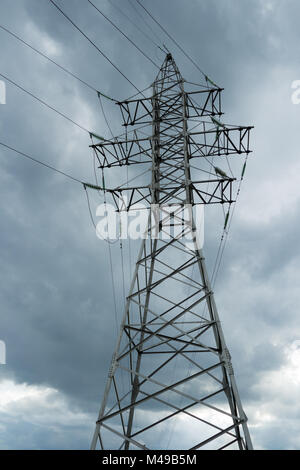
(118, 153)
(220, 142)
(215, 142)
(211, 105)
(139, 111)
(217, 191)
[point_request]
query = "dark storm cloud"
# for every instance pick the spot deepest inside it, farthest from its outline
(57, 314)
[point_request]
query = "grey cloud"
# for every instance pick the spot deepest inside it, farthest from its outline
(57, 314)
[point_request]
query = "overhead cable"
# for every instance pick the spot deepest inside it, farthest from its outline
(125, 35)
(94, 45)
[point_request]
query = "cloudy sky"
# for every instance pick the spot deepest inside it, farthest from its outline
(57, 314)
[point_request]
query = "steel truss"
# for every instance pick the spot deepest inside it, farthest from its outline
(171, 366)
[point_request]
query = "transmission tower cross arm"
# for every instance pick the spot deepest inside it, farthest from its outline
(220, 142)
(123, 152)
(207, 142)
(213, 191)
(201, 103)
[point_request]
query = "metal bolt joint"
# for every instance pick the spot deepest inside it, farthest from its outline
(114, 365)
(227, 359)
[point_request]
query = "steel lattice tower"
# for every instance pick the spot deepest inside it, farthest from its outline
(171, 325)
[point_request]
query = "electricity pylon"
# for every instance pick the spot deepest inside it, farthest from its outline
(171, 369)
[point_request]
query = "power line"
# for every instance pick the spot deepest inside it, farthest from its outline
(172, 39)
(125, 35)
(146, 23)
(41, 163)
(44, 103)
(135, 25)
(94, 45)
(109, 243)
(141, 92)
(50, 167)
(226, 233)
(50, 60)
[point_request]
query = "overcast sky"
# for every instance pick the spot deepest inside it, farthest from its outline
(57, 315)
